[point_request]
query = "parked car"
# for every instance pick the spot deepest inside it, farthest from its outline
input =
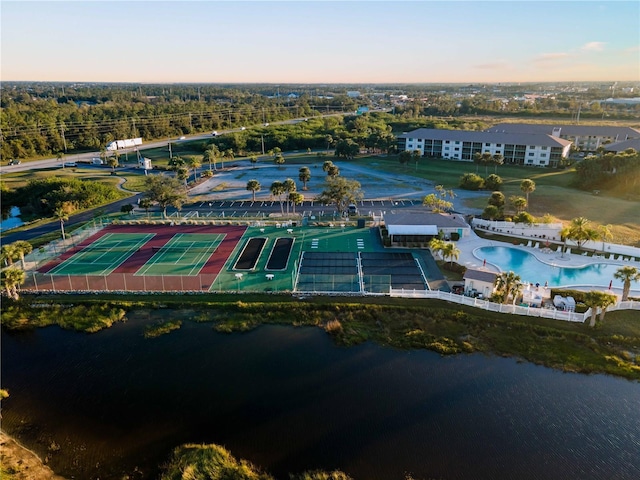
(214, 133)
(70, 164)
(182, 138)
(242, 128)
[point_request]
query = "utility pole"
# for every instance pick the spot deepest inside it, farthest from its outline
(262, 138)
(64, 140)
(170, 154)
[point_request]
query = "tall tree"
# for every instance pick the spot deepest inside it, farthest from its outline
(519, 203)
(165, 191)
(304, 175)
(508, 284)
(146, 203)
(605, 234)
(498, 159)
(12, 278)
(279, 159)
(9, 253)
(295, 198)
(340, 192)
(228, 155)
(596, 299)
(112, 161)
(289, 186)
(450, 251)
(627, 274)
(580, 231)
(194, 164)
(61, 214)
(253, 186)
(527, 186)
(211, 155)
(22, 248)
(436, 245)
(277, 189)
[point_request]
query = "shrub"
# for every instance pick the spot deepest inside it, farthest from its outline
(333, 326)
(471, 181)
(524, 217)
(493, 182)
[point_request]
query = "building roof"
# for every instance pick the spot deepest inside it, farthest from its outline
(514, 138)
(440, 220)
(622, 133)
(622, 146)
(480, 275)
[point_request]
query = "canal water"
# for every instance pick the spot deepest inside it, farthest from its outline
(287, 399)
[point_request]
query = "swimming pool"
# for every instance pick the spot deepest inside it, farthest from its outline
(532, 270)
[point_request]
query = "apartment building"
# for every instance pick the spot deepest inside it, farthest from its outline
(517, 148)
(586, 137)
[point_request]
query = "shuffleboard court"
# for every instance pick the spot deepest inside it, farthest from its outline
(279, 257)
(184, 254)
(102, 256)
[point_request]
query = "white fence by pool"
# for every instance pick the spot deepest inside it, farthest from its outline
(514, 309)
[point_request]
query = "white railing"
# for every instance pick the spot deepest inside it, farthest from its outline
(513, 309)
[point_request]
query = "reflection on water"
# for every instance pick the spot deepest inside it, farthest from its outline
(532, 270)
(289, 400)
(13, 221)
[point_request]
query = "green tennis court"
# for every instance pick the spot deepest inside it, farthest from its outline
(184, 254)
(102, 256)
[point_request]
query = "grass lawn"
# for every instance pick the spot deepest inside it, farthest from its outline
(18, 179)
(553, 195)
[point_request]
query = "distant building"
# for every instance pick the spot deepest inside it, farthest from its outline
(622, 146)
(517, 148)
(353, 94)
(585, 137)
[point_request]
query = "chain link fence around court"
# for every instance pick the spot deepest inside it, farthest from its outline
(52, 250)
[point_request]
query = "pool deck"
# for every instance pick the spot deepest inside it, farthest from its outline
(468, 244)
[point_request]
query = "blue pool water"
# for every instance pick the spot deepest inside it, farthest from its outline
(533, 270)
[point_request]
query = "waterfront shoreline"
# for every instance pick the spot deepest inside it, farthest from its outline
(21, 463)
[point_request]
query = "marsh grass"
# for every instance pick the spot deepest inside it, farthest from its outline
(153, 331)
(612, 347)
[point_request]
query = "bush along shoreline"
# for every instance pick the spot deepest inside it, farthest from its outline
(613, 347)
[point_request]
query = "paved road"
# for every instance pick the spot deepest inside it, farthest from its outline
(73, 220)
(87, 156)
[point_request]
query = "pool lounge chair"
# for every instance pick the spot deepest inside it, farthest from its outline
(537, 245)
(529, 243)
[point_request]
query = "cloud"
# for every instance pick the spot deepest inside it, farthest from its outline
(593, 47)
(550, 57)
(634, 49)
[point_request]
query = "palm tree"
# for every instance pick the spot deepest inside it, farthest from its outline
(580, 231)
(61, 214)
(508, 284)
(289, 186)
(253, 159)
(519, 203)
(605, 234)
(12, 278)
(450, 251)
(295, 198)
(210, 155)
(627, 274)
(527, 186)
(22, 248)
(279, 159)
(596, 299)
(146, 203)
(498, 159)
(228, 154)
(9, 253)
(253, 186)
(182, 174)
(194, 164)
(436, 245)
(304, 175)
(277, 189)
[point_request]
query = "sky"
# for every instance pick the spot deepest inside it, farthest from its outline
(320, 41)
